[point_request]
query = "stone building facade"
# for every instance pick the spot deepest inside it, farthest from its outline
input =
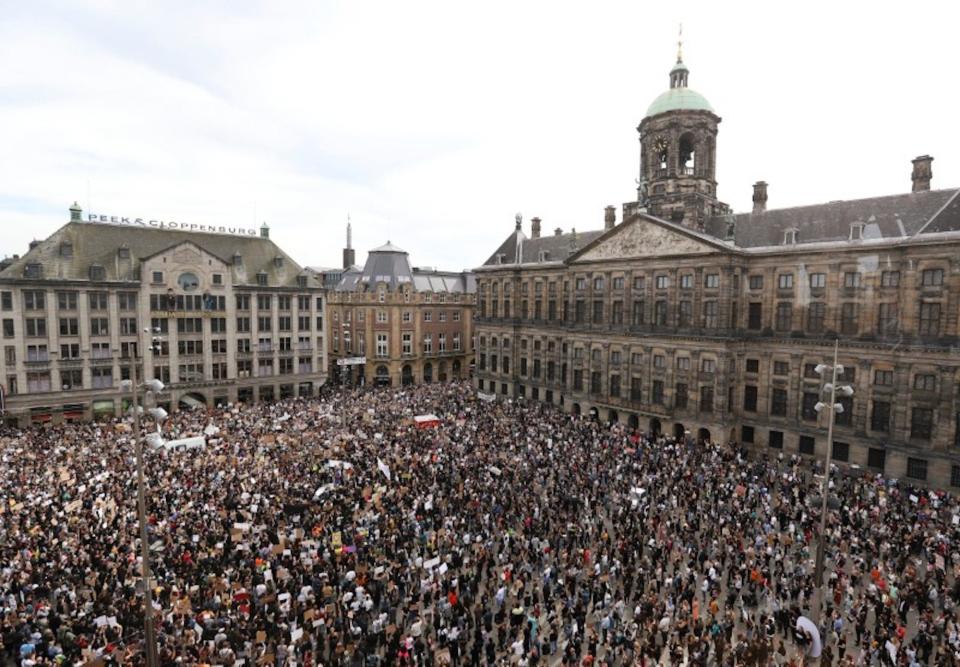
(235, 318)
(408, 324)
(690, 320)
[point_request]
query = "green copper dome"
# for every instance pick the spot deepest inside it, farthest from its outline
(679, 98)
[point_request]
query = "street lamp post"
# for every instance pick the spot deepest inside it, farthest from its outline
(833, 409)
(135, 387)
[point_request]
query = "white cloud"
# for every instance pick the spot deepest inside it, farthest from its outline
(432, 123)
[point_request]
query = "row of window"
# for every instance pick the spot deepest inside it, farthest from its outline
(383, 316)
(931, 277)
(99, 300)
(406, 343)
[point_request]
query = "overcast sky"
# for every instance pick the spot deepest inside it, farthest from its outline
(433, 123)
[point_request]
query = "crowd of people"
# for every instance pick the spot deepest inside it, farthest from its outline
(335, 531)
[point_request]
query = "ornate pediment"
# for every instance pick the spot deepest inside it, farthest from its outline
(645, 238)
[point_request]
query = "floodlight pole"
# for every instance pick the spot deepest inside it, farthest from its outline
(825, 488)
(148, 629)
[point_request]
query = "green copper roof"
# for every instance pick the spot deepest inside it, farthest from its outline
(679, 98)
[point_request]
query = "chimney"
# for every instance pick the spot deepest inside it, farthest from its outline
(264, 231)
(557, 232)
(922, 173)
(534, 228)
(759, 196)
(609, 217)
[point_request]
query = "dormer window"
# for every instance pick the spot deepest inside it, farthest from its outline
(262, 279)
(33, 270)
(790, 236)
(278, 261)
(856, 231)
(301, 281)
(237, 259)
(97, 272)
(544, 256)
(123, 252)
(501, 257)
(66, 249)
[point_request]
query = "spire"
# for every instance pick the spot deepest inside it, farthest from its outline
(349, 233)
(678, 75)
(680, 46)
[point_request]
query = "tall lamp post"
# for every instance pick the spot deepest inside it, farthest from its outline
(134, 387)
(833, 409)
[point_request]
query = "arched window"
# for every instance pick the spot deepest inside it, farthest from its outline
(688, 154)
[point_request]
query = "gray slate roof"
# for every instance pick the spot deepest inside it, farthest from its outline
(893, 216)
(390, 265)
(557, 247)
(98, 244)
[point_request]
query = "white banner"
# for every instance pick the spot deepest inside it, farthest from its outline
(351, 361)
(382, 467)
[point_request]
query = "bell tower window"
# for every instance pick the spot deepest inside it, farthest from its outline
(661, 149)
(688, 154)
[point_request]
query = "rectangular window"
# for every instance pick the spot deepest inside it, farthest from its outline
(683, 363)
(888, 318)
(706, 399)
(406, 343)
(580, 312)
(656, 396)
(243, 301)
(428, 346)
(921, 423)
(776, 439)
(681, 396)
(749, 398)
(841, 451)
(710, 317)
(659, 361)
(616, 313)
(712, 281)
(880, 416)
(844, 417)
(929, 319)
(382, 347)
(778, 402)
(755, 316)
(581, 283)
(818, 280)
(684, 313)
(955, 475)
(810, 400)
(577, 380)
(931, 278)
(753, 365)
(615, 386)
(128, 326)
(636, 385)
(785, 281)
(848, 319)
(98, 300)
(708, 365)
(890, 279)
(746, 433)
(686, 281)
(6, 300)
(781, 367)
(755, 282)
(637, 315)
(69, 326)
(883, 378)
(660, 313)
(67, 300)
(99, 326)
(807, 445)
(877, 458)
(34, 299)
(427, 316)
(597, 312)
(663, 282)
(917, 469)
(925, 381)
(816, 314)
(851, 279)
(264, 323)
(618, 283)
(638, 282)
(784, 316)
(598, 283)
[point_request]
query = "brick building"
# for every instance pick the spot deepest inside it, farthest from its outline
(686, 318)
(237, 319)
(409, 324)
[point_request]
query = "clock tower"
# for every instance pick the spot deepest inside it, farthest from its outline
(678, 148)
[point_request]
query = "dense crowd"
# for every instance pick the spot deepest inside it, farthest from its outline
(509, 534)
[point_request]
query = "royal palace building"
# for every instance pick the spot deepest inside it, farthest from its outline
(217, 314)
(691, 320)
(393, 324)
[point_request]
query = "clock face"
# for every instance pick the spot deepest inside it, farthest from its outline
(660, 144)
